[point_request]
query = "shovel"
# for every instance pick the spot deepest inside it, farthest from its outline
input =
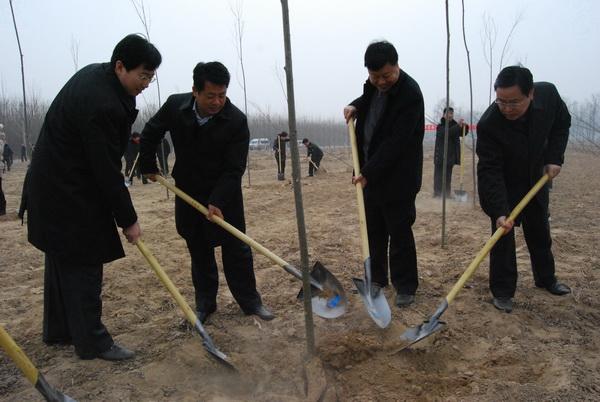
(187, 310)
(415, 334)
(317, 168)
(373, 298)
(461, 195)
(33, 375)
(129, 178)
(328, 296)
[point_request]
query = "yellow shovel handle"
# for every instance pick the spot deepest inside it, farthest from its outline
(228, 227)
(18, 356)
(495, 237)
(362, 218)
(164, 278)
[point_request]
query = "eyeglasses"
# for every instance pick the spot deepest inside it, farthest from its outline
(147, 78)
(509, 104)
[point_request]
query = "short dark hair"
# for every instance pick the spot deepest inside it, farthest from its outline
(283, 133)
(515, 75)
(449, 109)
(213, 71)
(134, 50)
(378, 54)
(305, 141)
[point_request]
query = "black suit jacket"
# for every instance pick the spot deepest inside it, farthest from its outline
(395, 161)
(508, 165)
(209, 162)
(76, 191)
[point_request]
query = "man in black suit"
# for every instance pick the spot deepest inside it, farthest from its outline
(390, 123)
(210, 136)
(521, 136)
(76, 194)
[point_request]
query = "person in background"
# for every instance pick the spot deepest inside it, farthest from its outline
(23, 153)
(390, 123)
(314, 156)
(520, 137)
(279, 152)
(76, 196)
(2, 198)
(455, 131)
(163, 156)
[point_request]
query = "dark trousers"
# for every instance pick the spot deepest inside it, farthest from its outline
(390, 226)
(163, 161)
(438, 174)
(238, 268)
(73, 306)
(503, 260)
(311, 167)
(2, 199)
(280, 169)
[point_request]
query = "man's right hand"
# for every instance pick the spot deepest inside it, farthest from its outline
(349, 112)
(503, 222)
(133, 232)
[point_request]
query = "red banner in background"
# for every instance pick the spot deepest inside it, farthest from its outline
(433, 127)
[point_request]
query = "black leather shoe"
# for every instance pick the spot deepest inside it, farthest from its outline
(503, 303)
(404, 300)
(260, 311)
(558, 289)
(116, 353)
(203, 315)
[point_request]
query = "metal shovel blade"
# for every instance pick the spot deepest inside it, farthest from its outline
(127, 182)
(375, 302)
(329, 299)
(211, 347)
(461, 196)
(422, 331)
(428, 327)
(49, 393)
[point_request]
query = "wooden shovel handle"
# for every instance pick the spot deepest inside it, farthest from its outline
(164, 278)
(18, 356)
(228, 227)
(495, 237)
(362, 218)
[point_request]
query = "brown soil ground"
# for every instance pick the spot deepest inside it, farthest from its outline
(547, 349)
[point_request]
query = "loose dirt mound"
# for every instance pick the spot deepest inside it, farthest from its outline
(547, 349)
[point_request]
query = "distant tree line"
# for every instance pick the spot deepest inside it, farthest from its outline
(585, 127)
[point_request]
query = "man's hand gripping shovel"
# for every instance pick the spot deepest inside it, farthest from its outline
(328, 298)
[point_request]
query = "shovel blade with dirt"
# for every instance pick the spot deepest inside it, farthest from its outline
(415, 334)
(207, 341)
(29, 370)
(325, 302)
(328, 298)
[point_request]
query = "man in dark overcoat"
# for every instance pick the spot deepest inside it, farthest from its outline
(210, 137)
(390, 123)
(521, 136)
(76, 194)
(455, 131)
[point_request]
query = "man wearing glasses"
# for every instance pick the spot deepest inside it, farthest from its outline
(521, 136)
(76, 194)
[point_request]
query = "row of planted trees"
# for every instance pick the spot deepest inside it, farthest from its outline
(585, 126)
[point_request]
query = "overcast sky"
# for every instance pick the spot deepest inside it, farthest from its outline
(558, 40)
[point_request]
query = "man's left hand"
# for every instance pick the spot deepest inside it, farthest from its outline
(214, 211)
(360, 179)
(552, 170)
